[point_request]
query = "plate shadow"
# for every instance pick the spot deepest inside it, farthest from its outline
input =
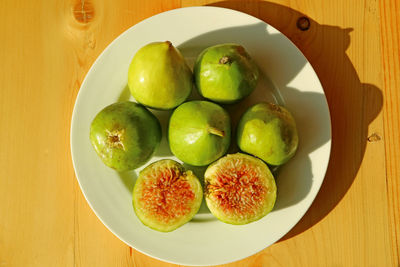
(353, 104)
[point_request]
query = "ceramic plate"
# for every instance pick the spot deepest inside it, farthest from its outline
(287, 78)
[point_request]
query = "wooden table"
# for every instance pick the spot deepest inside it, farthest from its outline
(46, 50)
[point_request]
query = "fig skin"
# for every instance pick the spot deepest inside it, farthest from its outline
(179, 197)
(125, 135)
(159, 77)
(199, 132)
(239, 189)
(269, 132)
(225, 73)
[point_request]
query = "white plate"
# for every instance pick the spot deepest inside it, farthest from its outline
(287, 79)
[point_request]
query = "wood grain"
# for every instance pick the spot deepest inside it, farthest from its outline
(390, 35)
(47, 48)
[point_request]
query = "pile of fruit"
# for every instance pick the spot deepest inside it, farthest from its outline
(238, 188)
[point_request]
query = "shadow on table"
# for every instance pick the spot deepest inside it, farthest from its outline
(353, 105)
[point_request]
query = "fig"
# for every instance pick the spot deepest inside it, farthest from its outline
(125, 135)
(225, 73)
(239, 189)
(159, 77)
(199, 132)
(166, 196)
(269, 132)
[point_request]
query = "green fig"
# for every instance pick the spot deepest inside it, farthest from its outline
(269, 132)
(239, 189)
(166, 196)
(199, 132)
(159, 77)
(125, 135)
(225, 73)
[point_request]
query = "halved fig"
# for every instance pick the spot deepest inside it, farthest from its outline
(239, 189)
(166, 196)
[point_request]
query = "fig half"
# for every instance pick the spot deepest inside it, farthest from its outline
(166, 196)
(239, 189)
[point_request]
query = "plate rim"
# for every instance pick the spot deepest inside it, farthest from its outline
(92, 69)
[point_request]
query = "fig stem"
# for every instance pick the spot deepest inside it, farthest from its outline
(215, 131)
(169, 44)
